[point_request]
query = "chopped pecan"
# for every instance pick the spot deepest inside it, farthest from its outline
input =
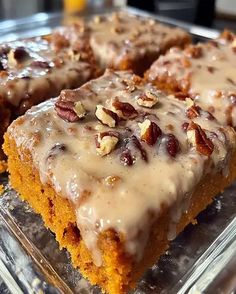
(147, 99)
(40, 64)
(17, 55)
(105, 143)
(117, 30)
(55, 150)
(126, 158)
(130, 85)
(211, 69)
(193, 51)
(20, 54)
(149, 132)
(172, 145)
(74, 55)
(124, 110)
(106, 116)
(79, 109)
(132, 150)
(65, 109)
(198, 139)
(227, 35)
(193, 111)
(185, 126)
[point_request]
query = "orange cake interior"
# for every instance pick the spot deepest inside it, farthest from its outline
(117, 169)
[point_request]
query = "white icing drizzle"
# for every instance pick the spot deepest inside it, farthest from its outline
(65, 156)
(211, 76)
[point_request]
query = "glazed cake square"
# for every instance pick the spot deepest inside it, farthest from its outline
(125, 41)
(37, 69)
(206, 72)
(117, 169)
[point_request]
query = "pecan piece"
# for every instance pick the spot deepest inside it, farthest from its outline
(172, 145)
(124, 109)
(148, 99)
(17, 55)
(198, 139)
(106, 116)
(193, 111)
(193, 51)
(74, 55)
(79, 109)
(40, 64)
(185, 126)
(105, 142)
(132, 150)
(65, 109)
(149, 132)
(126, 158)
(20, 54)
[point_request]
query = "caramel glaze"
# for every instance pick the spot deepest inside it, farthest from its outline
(34, 70)
(119, 161)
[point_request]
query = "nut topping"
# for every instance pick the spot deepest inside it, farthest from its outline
(193, 111)
(172, 145)
(124, 110)
(133, 150)
(105, 142)
(79, 109)
(74, 55)
(106, 116)
(193, 51)
(17, 55)
(65, 109)
(40, 64)
(149, 132)
(148, 99)
(198, 139)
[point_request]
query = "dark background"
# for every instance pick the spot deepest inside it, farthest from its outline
(201, 12)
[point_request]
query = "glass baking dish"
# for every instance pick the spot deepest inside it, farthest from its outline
(202, 259)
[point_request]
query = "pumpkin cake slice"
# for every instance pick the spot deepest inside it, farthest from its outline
(117, 169)
(206, 72)
(37, 69)
(124, 41)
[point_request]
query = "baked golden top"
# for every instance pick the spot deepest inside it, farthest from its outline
(119, 149)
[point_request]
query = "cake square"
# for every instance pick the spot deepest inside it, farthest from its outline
(125, 41)
(205, 72)
(116, 169)
(37, 69)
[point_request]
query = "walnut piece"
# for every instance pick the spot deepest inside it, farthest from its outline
(148, 99)
(198, 139)
(105, 143)
(106, 116)
(149, 131)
